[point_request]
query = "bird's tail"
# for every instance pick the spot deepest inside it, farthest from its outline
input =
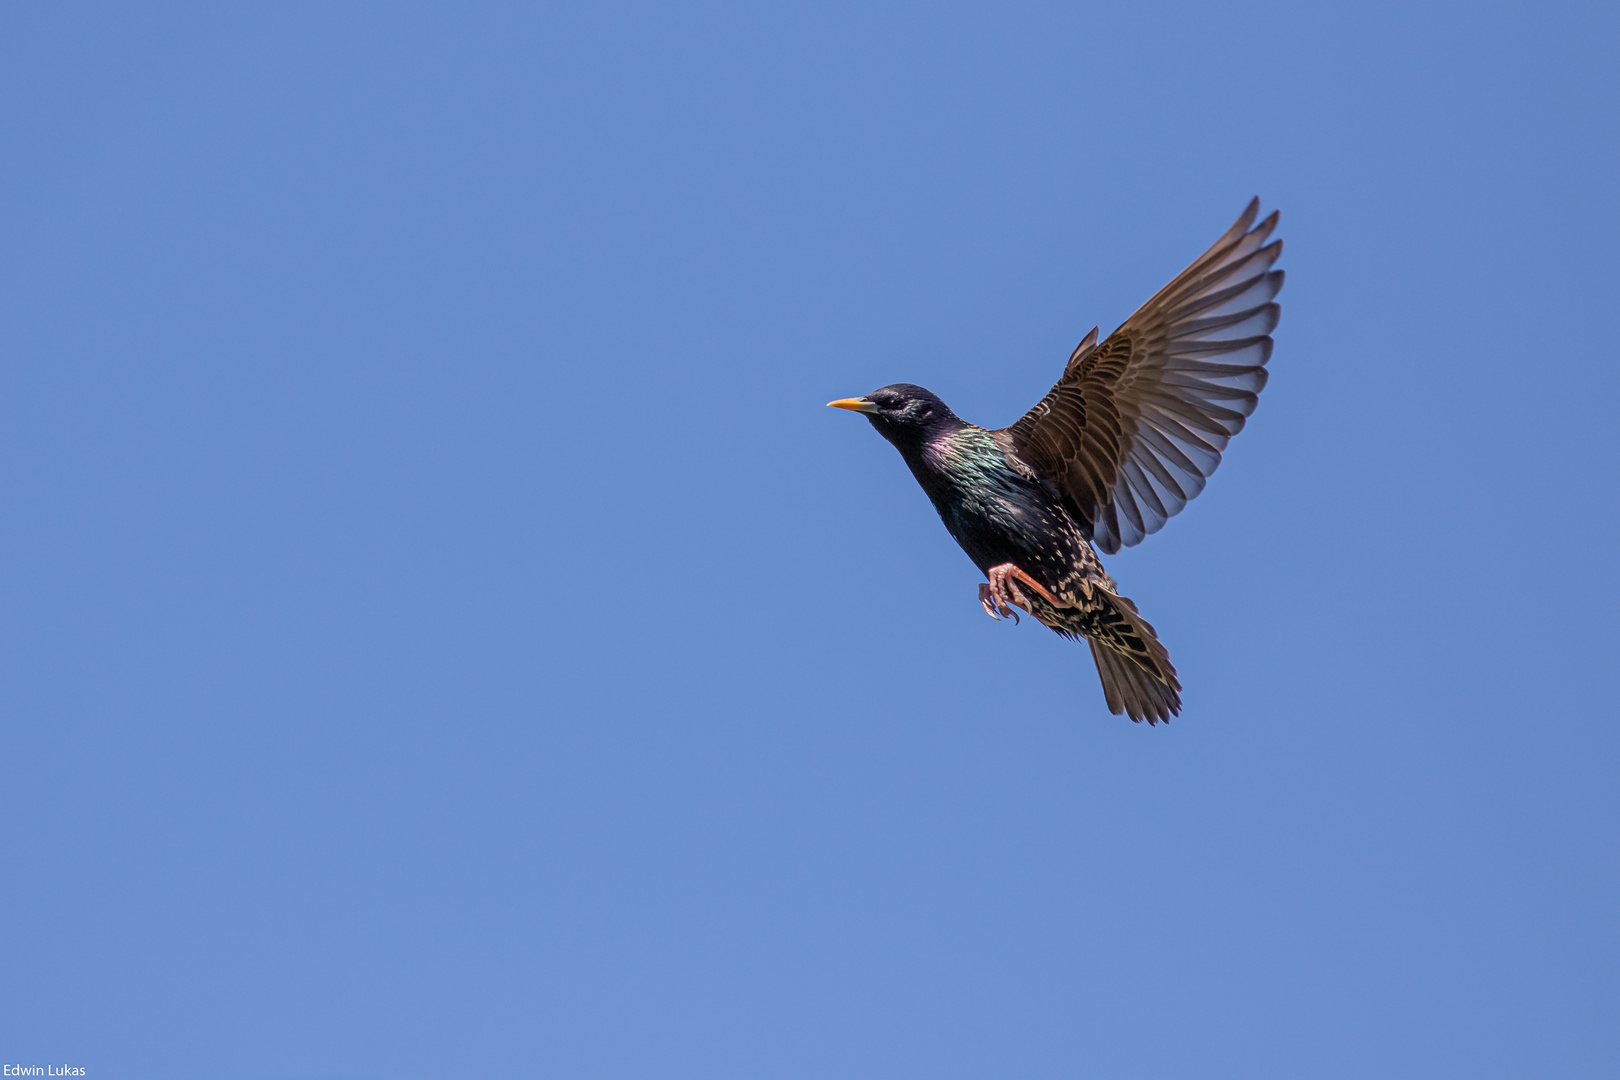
(1136, 673)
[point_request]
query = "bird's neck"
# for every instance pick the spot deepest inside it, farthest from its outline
(937, 458)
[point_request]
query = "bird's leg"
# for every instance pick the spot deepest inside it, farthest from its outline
(1004, 582)
(995, 607)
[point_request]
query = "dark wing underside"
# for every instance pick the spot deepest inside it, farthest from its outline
(1137, 424)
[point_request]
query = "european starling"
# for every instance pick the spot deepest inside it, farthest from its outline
(1125, 439)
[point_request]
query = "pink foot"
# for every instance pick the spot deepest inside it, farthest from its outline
(995, 607)
(1004, 588)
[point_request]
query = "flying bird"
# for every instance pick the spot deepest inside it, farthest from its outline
(1120, 445)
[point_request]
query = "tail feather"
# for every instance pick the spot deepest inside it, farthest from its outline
(1137, 677)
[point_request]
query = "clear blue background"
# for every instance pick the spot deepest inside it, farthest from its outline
(442, 632)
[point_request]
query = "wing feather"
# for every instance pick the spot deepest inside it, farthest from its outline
(1138, 422)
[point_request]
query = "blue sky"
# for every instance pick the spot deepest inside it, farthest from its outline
(442, 632)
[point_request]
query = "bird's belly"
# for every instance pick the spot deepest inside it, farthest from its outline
(1040, 539)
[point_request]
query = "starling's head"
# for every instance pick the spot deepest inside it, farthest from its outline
(904, 414)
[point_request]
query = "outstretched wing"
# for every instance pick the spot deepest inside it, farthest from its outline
(1136, 425)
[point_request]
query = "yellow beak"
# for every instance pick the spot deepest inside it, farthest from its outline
(853, 404)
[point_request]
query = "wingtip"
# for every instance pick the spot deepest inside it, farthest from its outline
(1241, 225)
(1252, 211)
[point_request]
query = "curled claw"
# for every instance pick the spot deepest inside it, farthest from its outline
(1004, 590)
(985, 602)
(994, 606)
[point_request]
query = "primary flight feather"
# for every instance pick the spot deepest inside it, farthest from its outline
(1127, 437)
